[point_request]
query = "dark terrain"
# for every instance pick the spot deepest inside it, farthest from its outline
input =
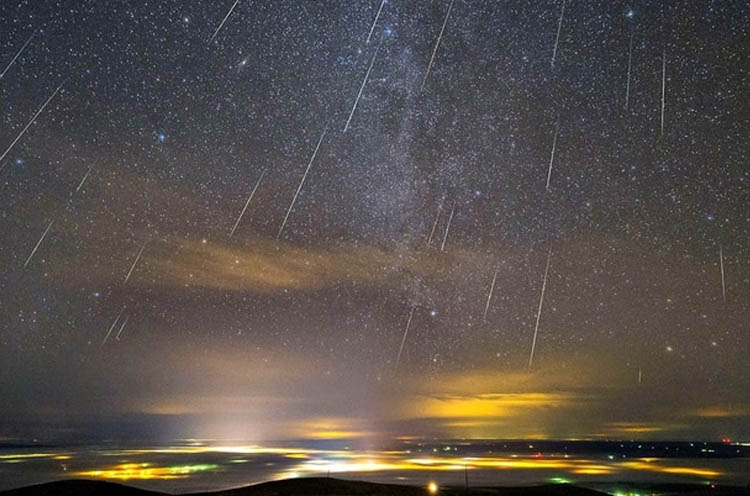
(320, 486)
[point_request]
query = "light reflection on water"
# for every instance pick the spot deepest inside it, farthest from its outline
(198, 466)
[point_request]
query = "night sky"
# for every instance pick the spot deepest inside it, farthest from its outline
(141, 163)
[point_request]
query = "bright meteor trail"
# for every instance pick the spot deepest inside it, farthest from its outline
(135, 262)
(539, 310)
(557, 38)
(630, 63)
(249, 199)
(723, 283)
(448, 227)
(489, 296)
(377, 16)
(18, 54)
(38, 243)
(124, 323)
(552, 157)
(435, 223)
(437, 44)
(23, 131)
(113, 325)
(362, 87)
(663, 86)
(406, 332)
(223, 21)
(85, 176)
(299, 188)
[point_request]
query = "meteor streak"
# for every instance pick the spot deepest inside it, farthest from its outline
(630, 63)
(557, 38)
(552, 157)
(489, 296)
(437, 44)
(362, 87)
(723, 282)
(113, 325)
(377, 16)
(23, 131)
(299, 188)
(38, 243)
(539, 310)
(448, 227)
(135, 262)
(249, 199)
(222, 22)
(80, 185)
(663, 86)
(18, 54)
(434, 224)
(406, 331)
(117, 336)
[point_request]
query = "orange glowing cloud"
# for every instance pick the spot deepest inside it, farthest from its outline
(262, 265)
(486, 405)
(329, 428)
(618, 429)
(723, 411)
(145, 471)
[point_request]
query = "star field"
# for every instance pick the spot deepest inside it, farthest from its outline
(163, 125)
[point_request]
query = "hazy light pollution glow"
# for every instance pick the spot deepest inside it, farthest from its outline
(315, 462)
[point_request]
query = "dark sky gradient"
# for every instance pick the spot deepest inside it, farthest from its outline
(260, 338)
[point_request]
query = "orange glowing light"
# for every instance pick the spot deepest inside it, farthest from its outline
(144, 471)
(648, 465)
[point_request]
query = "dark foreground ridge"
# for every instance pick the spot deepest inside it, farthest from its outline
(79, 487)
(323, 486)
